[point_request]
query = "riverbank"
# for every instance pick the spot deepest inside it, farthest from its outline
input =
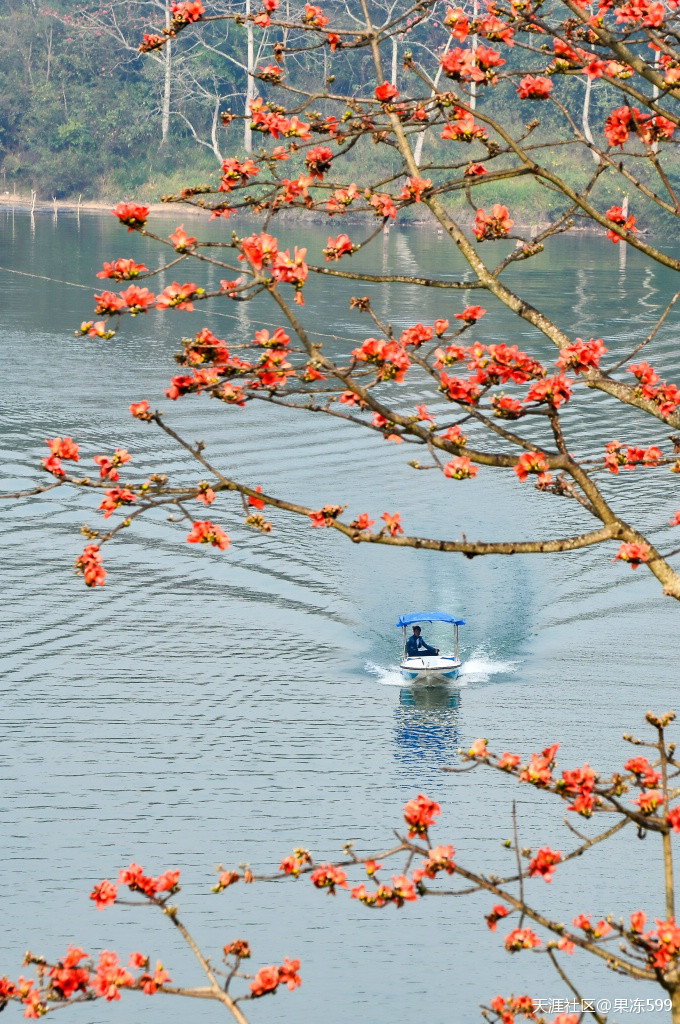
(413, 218)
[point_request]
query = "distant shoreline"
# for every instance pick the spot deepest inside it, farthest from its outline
(19, 202)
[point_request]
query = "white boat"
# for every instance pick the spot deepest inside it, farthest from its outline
(430, 668)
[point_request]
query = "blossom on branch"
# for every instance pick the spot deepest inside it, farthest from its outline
(634, 554)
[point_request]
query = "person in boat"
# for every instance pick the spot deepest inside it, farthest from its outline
(415, 645)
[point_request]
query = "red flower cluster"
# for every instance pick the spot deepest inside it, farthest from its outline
(420, 813)
(460, 468)
(362, 522)
(132, 214)
(108, 467)
(521, 938)
(327, 876)
(416, 335)
(390, 358)
(274, 123)
(181, 240)
(579, 783)
(616, 215)
(186, 11)
(89, 566)
(492, 225)
(386, 92)
(338, 247)
(582, 355)
(294, 863)
(628, 458)
(470, 314)
(104, 894)
(534, 88)
(538, 771)
(268, 979)
(318, 160)
(531, 462)
(401, 891)
(179, 296)
(122, 270)
(205, 532)
(643, 771)
(439, 859)
(67, 976)
(522, 1006)
(392, 523)
(544, 863)
(114, 498)
(111, 977)
(135, 879)
(552, 390)
(313, 16)
(326, 516)
(414, 188)
(60, 448)
(665, 396)
(634, 554)
(237, 172)
(497, 912)
(464, 128)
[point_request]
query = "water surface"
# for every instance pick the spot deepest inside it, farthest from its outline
(213, 708)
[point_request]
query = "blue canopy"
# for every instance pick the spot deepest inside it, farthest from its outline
(410, 620)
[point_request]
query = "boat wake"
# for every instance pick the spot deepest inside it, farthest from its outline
(480, 667)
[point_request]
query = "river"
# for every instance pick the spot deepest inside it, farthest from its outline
(209, 707)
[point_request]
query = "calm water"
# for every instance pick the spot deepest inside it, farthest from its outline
(209, 707)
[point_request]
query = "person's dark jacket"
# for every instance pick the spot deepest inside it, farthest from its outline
(415, 645)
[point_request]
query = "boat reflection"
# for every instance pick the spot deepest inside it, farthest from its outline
(426, 724)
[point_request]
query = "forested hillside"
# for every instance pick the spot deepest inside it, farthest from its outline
(83, 112)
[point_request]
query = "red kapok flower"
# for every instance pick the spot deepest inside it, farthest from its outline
(140, 410)
(634, 554)
(327, 876)
(531, 462)
(132, 214)
(205, 532)
(394, 526)
(470, 314)
(521, 938)
(492, 225)
(89, 566)
(497, 912)
(544, 863)
(534, 88)
(420, 813)
(460, 468)
(104, 894)
(181, 240)
(386, 92)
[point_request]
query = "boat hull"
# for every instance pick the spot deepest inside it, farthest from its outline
(432, 669)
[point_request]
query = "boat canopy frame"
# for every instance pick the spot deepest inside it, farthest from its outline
(416, 617)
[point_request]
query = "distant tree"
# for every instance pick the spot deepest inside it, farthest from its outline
(506, 407)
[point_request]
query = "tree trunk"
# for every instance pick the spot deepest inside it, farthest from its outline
(250, 84)
(475, 40)
(395, 58)
(585, 118)
(167, 85)
(675, 1005)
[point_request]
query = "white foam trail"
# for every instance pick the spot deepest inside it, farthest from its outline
(481, 666)
(387, 676)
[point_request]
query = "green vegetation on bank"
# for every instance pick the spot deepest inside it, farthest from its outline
(82, 113)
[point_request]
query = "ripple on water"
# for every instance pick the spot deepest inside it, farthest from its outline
(211, 707)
